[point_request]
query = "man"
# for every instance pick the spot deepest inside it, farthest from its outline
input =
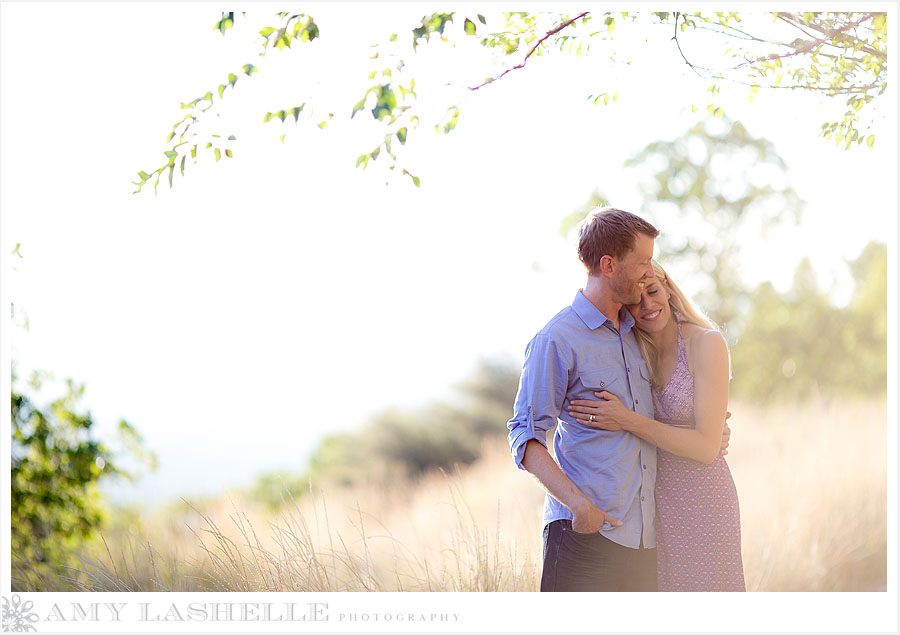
(599, 509)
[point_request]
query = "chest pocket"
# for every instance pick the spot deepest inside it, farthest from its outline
(608, 379)
(645, 373)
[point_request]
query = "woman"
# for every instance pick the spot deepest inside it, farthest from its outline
(698, 532)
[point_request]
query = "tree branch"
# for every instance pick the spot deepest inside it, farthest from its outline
(794, 24)
(549, 33)
(830, 33)
(798, 51)
(678, 44)
(846, 90)
(725, 25)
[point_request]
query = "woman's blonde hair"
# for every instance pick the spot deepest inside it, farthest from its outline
(689, 312)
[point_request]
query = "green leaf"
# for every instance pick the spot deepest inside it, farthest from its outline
(232, 79)
(401, 136)
(268, 116)
(225, 23)
(218, 154)
(282, 139)
(469, 27)
(249, 69)
(170, 137)
(454, 119)
(481, 19)
(194, 152)
(870, 140)
(232, 138)
(171, 174)
(267, 31)
(228, 153)
(312, 31)
(386, 103)
(362, 158)
(221, 90)
(171, 154)
(359, 106)
(183, 159)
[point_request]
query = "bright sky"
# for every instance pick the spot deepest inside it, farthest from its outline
(282, 295)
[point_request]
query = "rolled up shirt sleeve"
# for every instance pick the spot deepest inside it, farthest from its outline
(542, 391)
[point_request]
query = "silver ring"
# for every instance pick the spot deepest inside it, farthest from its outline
(591, 418)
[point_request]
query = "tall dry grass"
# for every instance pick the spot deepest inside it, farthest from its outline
(812, 485)
(811, 481)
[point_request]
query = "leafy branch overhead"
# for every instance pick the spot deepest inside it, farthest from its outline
(835, 54)
(291, 28)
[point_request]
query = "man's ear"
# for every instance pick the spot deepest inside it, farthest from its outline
(607, 266)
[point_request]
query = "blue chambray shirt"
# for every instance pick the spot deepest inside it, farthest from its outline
(576, 353)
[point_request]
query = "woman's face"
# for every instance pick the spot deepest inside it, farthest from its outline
(652, 313)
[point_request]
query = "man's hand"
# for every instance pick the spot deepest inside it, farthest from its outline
(726, 435)
(588, 518)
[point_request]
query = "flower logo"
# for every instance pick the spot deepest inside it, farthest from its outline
(17, 615)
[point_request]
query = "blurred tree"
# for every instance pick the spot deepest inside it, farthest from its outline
(711, 185)
(833, 53)
(594, 201)
(57, 465)
(406, 443)
(799, 345)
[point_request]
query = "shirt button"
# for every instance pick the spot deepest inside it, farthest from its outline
(602, 384)
(636, 401)
(642, 498)
(628, 369)
(645, 466)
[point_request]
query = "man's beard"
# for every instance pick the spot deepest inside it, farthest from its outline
(622, 288)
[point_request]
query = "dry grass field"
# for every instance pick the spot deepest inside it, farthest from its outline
(811, 481)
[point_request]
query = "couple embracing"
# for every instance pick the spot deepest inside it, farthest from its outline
(635, 380)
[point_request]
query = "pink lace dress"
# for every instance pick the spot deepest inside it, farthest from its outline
(698, 525)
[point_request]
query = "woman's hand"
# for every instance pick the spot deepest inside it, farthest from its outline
(607, 414)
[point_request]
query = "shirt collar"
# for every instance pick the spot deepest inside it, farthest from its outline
(593, 318)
